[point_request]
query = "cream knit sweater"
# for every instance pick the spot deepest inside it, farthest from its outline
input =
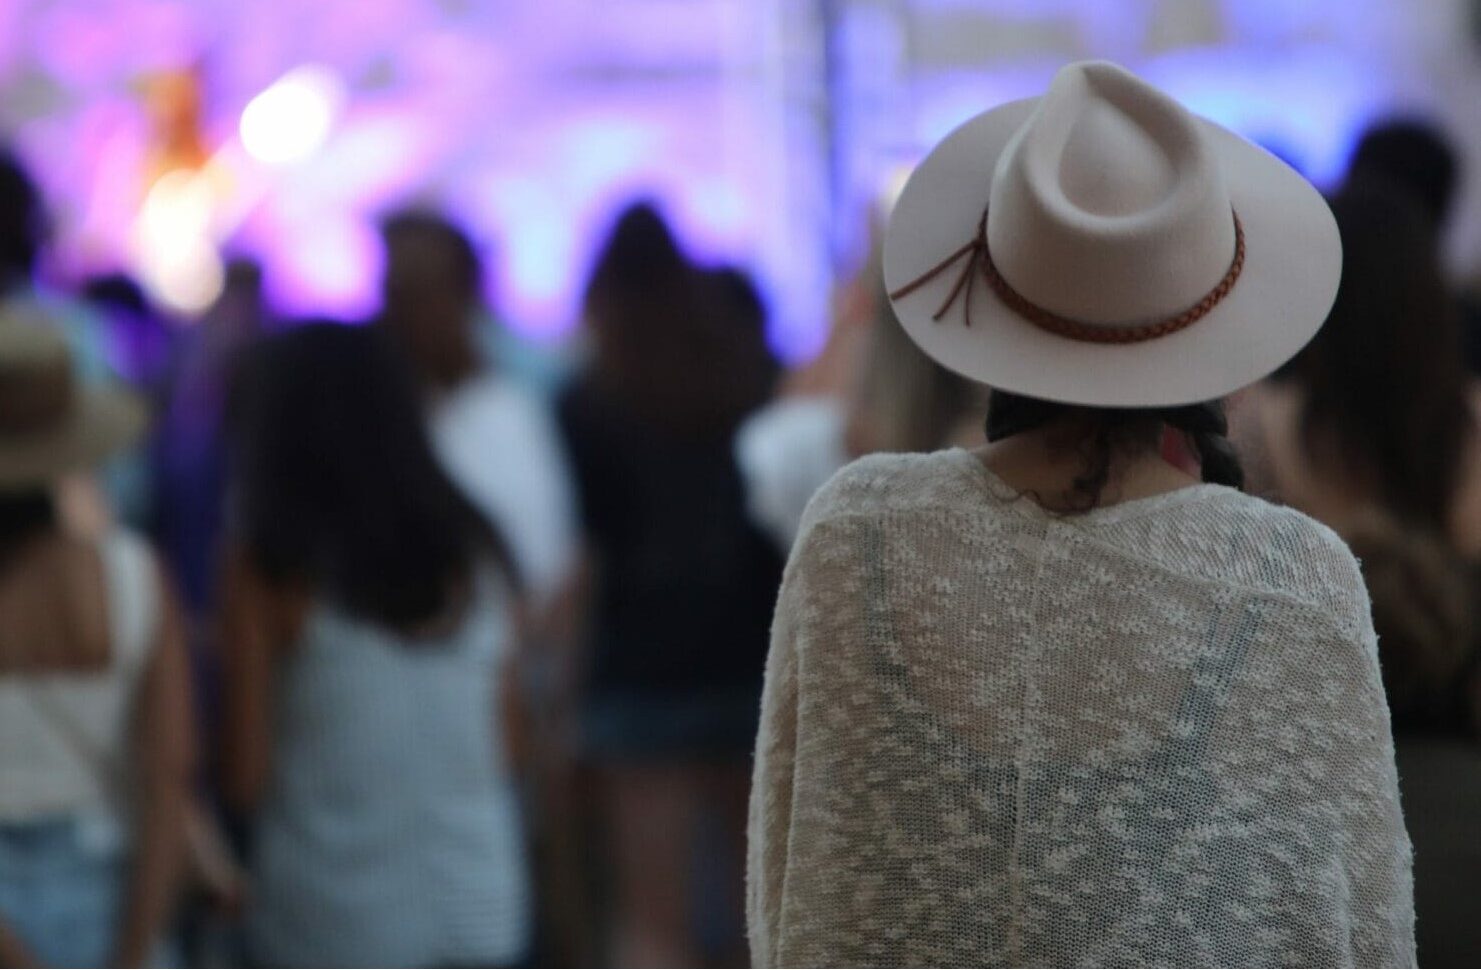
(1152, 734)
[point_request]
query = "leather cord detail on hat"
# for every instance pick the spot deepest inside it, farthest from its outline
(978, 255)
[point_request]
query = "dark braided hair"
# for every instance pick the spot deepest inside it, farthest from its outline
(1116, 430)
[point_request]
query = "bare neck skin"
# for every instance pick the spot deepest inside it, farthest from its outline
(1045, 462)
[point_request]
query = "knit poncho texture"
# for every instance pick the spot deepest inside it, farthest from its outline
(1149, 734)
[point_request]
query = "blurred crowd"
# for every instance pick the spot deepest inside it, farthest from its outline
(329, 642)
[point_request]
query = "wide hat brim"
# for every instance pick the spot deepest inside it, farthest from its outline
(99, 424)
(1293, 262)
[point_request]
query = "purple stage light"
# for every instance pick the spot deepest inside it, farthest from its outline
(534, 120)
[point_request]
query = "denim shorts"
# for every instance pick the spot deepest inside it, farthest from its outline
(61, 883)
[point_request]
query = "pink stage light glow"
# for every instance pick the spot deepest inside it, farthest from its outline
(532, 121)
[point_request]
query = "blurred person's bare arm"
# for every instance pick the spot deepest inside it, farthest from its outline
(249, 644)
(513, 685)
(83, 507)
(164, 742)
(554, 625)
(560, 646)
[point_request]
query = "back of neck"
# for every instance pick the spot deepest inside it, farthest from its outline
(1051, 464)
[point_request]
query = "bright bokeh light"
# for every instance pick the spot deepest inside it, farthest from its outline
(174, 251)
(291, 119)
(187, 280)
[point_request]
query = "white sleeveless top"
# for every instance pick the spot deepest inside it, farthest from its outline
(64, 737)
(1149, 735)
(390, 832)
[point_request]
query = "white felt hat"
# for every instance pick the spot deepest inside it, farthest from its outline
(1103, 246)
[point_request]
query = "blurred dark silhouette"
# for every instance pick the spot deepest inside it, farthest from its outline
(681, 584)
(1416, 157)
(371, 726)
(681, 347)
(1385, 390)
(1374, 431)
(1388, 449)
(22, 224)
(142, 342)
(429, 291)
(190, 452)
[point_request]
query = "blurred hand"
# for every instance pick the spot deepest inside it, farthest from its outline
(213, 865)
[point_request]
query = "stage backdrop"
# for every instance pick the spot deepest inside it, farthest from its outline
(171, 134)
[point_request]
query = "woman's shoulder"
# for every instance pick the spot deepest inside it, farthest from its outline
(77, 600)
(76, 562)
(1218, 535)
(1274, 549)
(895, 482)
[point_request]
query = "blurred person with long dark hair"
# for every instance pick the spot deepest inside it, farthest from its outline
(371, 612)
(96, 736)
(1375, 430)
(495, 434)
(681, 584)
(1415, 156)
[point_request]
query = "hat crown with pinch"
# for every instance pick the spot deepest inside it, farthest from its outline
(1109, 206)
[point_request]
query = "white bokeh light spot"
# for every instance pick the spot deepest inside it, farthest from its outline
(291, 119)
